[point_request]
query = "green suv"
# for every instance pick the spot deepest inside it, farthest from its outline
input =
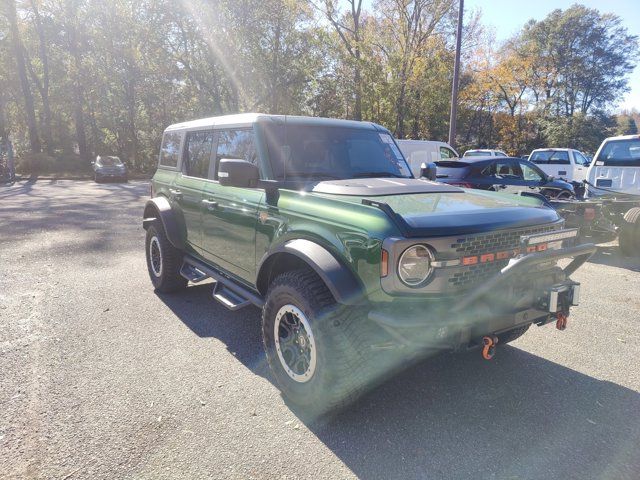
(356, 265)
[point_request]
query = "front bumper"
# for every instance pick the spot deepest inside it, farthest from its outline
(526, 291)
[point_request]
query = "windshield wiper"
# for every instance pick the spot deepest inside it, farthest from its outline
(377, 174)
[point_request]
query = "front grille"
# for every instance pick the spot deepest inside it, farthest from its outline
(496, 241)
(505, 240)
(477, 273)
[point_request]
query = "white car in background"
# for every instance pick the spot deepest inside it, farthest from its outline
(565, 163)
(615, 167)
(484, 152)
(417, 152)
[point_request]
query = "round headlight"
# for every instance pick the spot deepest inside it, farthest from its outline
(414, 266)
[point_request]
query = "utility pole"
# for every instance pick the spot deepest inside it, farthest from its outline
(456, 80)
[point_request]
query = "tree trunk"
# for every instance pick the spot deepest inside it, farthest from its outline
(18, 52)
(43, 87)
(400, 110)
(78, 92)
(357, 80)
(4, 134)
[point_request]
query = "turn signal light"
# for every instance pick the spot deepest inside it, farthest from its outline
(384, 263)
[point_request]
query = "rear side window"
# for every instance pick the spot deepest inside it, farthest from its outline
(505, 169)
(198, 154)
(237, 144)
(170, 150)
(620, 153)
(501, 154)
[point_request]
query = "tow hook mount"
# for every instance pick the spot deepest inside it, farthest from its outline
(561, 320)
(489, 343)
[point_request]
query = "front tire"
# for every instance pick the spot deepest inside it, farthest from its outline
(565, 195)
(163, 260)
(318, 351)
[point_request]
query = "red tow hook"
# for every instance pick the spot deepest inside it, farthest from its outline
(561, 322)
(489, 348)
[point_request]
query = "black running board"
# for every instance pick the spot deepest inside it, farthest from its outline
(226, 291)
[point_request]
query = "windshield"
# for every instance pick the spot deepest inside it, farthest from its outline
(109, 161)
(315, 152)
(620, 153)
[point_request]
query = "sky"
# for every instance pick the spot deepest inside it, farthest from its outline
(508, 16)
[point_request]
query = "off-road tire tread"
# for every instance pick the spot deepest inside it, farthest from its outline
(633, 215)
(350, 336)
(171, 280)
(628, 239)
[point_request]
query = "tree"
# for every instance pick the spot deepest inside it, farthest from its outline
(626, 125)
(409, 24)
(18, 53)
(581, 59)
(348, 26)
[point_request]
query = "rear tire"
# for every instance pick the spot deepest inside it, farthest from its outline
(163, 260)
(629, 235)
(337, 367)
(511, 335)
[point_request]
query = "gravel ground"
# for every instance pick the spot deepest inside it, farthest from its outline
(103, 378)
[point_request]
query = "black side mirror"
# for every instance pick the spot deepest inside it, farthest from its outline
(237, 173)
(428, 171)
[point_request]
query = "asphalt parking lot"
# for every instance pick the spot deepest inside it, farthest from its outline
(103, 378)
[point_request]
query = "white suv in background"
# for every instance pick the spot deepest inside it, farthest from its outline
(484, 153)
(417, 152)
(615, 167)
(565, 163)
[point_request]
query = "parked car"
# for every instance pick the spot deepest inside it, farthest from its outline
(511, 175)
(565, 163)
(356, 265)
(615, 168)
(484, 153)
(418, 152)
(108, 167)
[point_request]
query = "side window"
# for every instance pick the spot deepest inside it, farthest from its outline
(507, 169)
(198, 153)
(236, 144)
(530, 174)
(500, 154)
(446, 153)
(580, 159)
(170, 150)
(559, 158)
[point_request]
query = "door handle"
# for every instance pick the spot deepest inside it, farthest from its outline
(210, 204)
(175, 193)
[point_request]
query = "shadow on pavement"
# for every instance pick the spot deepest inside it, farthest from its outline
(610, 255)
(458, 416)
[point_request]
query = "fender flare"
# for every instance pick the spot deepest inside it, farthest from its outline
(159, 207)
(339, 279)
